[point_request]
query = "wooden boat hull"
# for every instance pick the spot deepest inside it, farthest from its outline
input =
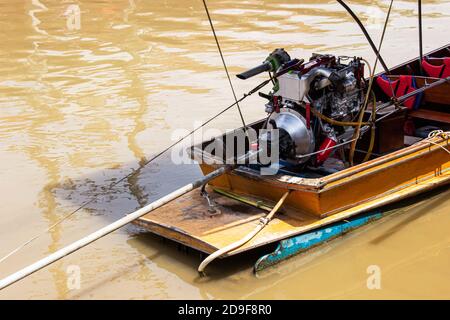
(335, 193)
(187, 220)
(304, 242)
(243, 196)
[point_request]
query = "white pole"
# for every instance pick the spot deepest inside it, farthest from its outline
(108, 229)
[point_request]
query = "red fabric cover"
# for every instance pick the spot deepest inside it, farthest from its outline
(442, 71)
(403, 85)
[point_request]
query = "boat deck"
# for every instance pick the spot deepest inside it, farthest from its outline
(188, 221)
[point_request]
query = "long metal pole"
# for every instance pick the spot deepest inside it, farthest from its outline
(109, 228)
(419, 4)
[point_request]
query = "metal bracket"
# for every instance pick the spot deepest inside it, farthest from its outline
(212, 206)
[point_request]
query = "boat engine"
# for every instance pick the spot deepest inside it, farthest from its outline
(310, 103)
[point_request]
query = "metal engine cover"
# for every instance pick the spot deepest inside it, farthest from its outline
(295, 125)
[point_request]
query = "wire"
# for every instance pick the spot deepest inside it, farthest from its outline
(372, 128)
(322, 150)
(369, 89)
(224, 64)
(336, 122)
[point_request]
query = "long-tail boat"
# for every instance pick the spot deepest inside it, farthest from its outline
(333, 170)
(336, 147)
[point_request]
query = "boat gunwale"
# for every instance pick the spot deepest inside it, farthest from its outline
(406, 151)
(355, 172)
(383, 199)
(386, 193)
(327, 219)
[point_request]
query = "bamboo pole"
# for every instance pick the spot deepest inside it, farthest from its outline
(109, 228)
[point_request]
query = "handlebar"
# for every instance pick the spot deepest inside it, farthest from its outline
(266, 66)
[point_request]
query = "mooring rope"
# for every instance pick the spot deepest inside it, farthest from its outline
(437, 133)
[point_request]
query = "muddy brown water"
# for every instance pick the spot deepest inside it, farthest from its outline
(83, 101)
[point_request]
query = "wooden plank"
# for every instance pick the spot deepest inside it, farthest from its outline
(431, 115)
(439, 94)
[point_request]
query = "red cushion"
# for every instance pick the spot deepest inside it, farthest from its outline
(403, 85)
(441, 71)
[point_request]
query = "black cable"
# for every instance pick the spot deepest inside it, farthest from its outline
(224, 64)
(366, 34)
(419, 4)
(376, 60)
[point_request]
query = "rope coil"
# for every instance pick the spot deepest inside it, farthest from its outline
(437, 133)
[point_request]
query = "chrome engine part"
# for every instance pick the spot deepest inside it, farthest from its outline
(324, 83)
(295, 138)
